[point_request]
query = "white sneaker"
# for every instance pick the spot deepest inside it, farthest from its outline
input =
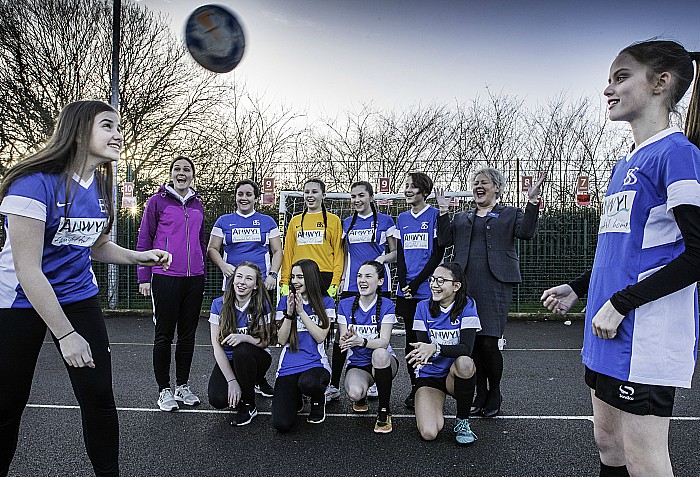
(372, 391)
(185, 396)
(332, 393)
(166, 401)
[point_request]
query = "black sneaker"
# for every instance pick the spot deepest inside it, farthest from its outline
(410, 401)
(244, 414)
(264, 389)
(318, 412)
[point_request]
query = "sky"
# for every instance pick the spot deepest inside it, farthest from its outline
(329, 56)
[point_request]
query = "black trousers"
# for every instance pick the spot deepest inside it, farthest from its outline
(22, 333)
(249, 364)
(288, 395)
(177, 302)
(406, 308)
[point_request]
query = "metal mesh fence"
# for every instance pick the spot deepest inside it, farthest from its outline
(563, 247)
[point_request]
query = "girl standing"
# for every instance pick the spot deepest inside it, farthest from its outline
(315, 235)
(304, 317)
(174, 220)
(366, 235)
(58, 212)
(641, 334)
(445, 327)
(241, 330)
(365, 322)
(418, 254)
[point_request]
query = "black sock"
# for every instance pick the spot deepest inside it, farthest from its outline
(383, 378)
(610, 471)
(337, 365)
(464, 394)
(482, 391)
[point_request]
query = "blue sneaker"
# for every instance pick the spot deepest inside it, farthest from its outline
(464, 435)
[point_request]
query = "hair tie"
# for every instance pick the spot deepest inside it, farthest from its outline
(694, 55)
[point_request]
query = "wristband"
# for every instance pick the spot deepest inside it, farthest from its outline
(230, 381)
(272, 274)
(67, 334)
(287, 317)
(364, 342)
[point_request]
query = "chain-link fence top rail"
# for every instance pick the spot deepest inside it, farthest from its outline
(563, 247)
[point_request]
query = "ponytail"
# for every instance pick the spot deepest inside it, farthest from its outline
(692, 120)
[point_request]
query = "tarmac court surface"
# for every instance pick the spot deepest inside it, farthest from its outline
(545, 427)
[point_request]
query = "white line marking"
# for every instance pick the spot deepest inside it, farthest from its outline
(351, 415)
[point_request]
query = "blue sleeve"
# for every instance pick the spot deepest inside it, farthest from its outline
(216, 305)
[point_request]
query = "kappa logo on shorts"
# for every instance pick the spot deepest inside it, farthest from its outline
(626, 393)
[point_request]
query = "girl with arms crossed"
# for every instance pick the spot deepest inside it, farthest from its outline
(445, 327)
(641, 334)
(241, 330)
(304, 317)
(58, 212)
(366, 235)
(174, 220)
(364, 323)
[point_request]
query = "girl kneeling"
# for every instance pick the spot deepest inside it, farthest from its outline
(241, 329)
(365, 323)
(445, 327)
(304, 318)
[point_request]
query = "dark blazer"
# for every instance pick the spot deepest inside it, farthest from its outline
(501, 232)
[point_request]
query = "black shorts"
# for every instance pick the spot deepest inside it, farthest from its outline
(406, 307)
(326, 279)
(436, 383)
(634, 398)
(369, 368)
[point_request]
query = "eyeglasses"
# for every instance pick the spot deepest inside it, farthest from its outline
(439, 280)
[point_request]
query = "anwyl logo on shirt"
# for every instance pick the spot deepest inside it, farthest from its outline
(415, 241)
(82, 232)
(302, 327)
(310, 237)
(444, 337)
(367, 331)
(360, 236)
(246, 235)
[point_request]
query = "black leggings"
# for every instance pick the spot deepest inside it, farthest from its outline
(249, 364)
(406, 308)
(177, 302)
(22, 333)
(288, 395)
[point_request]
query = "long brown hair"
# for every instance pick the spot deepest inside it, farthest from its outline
(66, 152)
(315, 293)
(259, 307)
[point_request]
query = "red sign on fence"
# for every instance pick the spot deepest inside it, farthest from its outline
(269, 185)
(384, 185)
(582, 185)
(583, 198)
